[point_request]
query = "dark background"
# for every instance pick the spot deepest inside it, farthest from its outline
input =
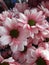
(10, 3)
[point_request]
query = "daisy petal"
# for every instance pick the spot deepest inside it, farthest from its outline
(8, 22)
(22, 16)
(3, 31)
(5, 40)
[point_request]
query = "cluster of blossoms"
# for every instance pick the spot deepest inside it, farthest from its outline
(24, 35)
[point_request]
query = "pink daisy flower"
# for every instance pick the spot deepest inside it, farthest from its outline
(44, 28)
(33, 20)
(13, 34)
(24, 35)
(43, 32)
(25, 57)
(42, 56)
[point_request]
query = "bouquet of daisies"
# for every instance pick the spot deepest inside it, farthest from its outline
(24, 35)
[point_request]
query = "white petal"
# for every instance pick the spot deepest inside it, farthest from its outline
(26, 26)
(22, 16)
(21, 47)
(27, 12)
(8, 22)
(3, 30)
(40, 27)
(39, 14)
(34, 11)
(46, 54)
(32, 34)
(25, 42)
(21, 20)
(9, 60)
(45, 32)
(5, 40)
(13, 47)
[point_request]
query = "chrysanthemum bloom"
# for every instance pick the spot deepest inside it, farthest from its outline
(42, 57)
(27, 34)
(41, 39)
(44, 28)
(9, 61)
(20, 55)
(12, 33)
(25, 57)
(30, 55)
(43, 32)
(31, 19)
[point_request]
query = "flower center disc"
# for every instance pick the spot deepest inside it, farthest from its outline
(31, 22)
(14, 33)
(40, 61)
(4, 63)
